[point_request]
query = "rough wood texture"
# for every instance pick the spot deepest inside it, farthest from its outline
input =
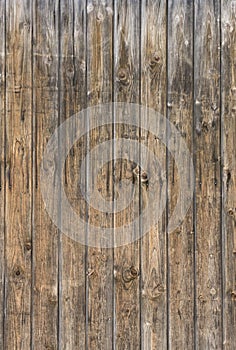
(127, 258)
(2, 165)
(17, 327)
(163, 291)
(45, 241)
(153, 245)
(99, 90)
(228, 89)
(72, 75)
(181, 241)
(208, 175)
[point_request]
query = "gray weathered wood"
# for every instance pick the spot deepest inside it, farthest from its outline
(72, 100)
(164, 291)
(127, 258)
(45, 110)
(18, 175)
(180, 108)
(99, 91)
(2, 166)
(228, 89)
(208, 179)
(153, 244)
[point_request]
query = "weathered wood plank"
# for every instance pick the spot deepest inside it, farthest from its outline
(86, 53)
(99, 91)
(180, 108)
(153, 244)
(2, 165)
(45, 109)
(208, 179)
(17, 327)
(73, 99)
(127, 257)
(229, 170)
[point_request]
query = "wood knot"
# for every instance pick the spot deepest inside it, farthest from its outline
(122, 76)
(205, 127)
(234, 109)
(90, 8)
(155, 292)
(17, 89)
(233, 90)
(136, 171)
(154, 61)
(100, 17)
(231, 212)
(130, 274)
(213, 291)
(233, 295)
(28, 246)
(18, 272)
(141, 175)
(144, 176)
(201, 299)
(50, 346)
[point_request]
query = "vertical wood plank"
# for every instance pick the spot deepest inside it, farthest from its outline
(127, 257)
(180, 108)
(229, 169)
(2, 166)
(45, 244)
(70, 39)
(153, 251)
(99, 91)
(208, 179)
(18, 170)
(73, 99)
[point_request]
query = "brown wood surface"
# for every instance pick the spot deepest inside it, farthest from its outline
(99, 90)
(127, 258)
(45, 306)
(18, 201)
(165, 290)
(207, 117)
(180, 113)
(153, 245)
(72, 74)
(2, 167)
(228, 153)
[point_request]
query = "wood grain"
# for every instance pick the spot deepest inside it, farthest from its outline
(2, 167)
(180, 108)
(228, 89)
(17, 328)
(99, 91)
(164, 290)
(153, 244)
(208, 174)
(127, 258)
(73, 97)
(46, 238)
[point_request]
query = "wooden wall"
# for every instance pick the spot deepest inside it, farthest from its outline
(166, 290)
